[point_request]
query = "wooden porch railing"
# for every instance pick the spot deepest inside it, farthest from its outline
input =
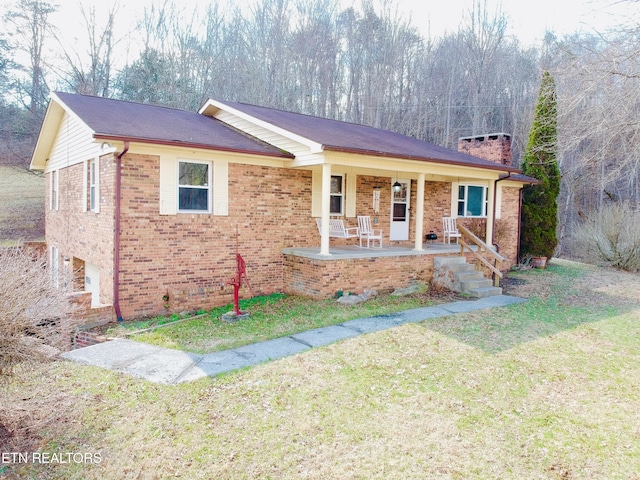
(481, 253)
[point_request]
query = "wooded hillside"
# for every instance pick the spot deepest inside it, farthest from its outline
(364, 65)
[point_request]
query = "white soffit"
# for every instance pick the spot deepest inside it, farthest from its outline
(212, 107)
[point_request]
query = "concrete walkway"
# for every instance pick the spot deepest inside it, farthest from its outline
(170, 367)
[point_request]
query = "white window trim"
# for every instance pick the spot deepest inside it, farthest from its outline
(95, 164)
(341, 195)
(209, 186)
(85, 176)
(54, 260)
(54, 190)
(485, 190)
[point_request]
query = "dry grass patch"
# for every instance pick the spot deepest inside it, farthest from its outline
(21, 205)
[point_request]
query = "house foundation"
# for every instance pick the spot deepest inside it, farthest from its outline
(353, 269)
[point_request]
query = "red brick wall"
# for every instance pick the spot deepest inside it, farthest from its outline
(85, 236)
(507, 226)
(364, 203)
(323, 278)
(494, 147)
(87, 317)
(86, 339)
(191, 257)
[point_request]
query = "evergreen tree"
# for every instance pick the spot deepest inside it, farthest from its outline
(539, 206)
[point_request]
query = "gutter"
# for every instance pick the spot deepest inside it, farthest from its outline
(404, 156)
(116, 234)
(181, 144)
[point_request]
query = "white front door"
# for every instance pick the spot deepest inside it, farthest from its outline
(400, 210)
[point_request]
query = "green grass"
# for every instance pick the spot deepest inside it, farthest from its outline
(553, 396)
(270, 317)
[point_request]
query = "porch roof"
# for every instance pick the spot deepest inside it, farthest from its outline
(340, 136)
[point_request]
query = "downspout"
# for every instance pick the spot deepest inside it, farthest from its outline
(495, 197)
(520, 195)
(116, 234)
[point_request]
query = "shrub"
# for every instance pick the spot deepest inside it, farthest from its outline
(34, 314)
(539, 202)
(611, 236)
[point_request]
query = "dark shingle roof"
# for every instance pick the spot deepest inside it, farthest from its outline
(118, 119)
(348, 137)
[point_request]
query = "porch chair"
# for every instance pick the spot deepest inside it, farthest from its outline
(337, 229)
(450, 229)
(366, 230)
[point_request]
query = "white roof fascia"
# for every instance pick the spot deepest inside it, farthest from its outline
(46, 137)
(72, 114)
(314, 147)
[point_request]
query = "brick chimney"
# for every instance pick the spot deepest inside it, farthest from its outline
(495, 147)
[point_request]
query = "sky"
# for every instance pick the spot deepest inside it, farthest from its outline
(527, 19)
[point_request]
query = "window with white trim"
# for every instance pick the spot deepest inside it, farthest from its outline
(93, 185)
(54, 262)
(54, 195)
(194, 187)
(337, 195)
(472, 201)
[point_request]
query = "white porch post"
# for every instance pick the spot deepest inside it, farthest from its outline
(419, 213)
(326, 208)
(491, 194)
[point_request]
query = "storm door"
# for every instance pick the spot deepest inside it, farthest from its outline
(400, 209)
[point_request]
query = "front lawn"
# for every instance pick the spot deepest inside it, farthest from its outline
(542, 390)
(270, 317)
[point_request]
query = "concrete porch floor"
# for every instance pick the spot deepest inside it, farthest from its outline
(343, 252)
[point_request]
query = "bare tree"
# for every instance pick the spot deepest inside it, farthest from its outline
(599, 101)
(92, 77)
(31, 29)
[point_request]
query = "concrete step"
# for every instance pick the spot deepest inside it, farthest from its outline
(468, 275)
(469, 285)
(456, 274)
(451, 260)
(461, 268)
(485, 292)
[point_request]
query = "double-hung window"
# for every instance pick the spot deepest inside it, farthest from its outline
(194, 187)
(54, 195)
(54, 265)
(337, 195)
(93, 185)
(472, 201)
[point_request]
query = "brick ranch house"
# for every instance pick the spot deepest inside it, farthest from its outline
(143, 202)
